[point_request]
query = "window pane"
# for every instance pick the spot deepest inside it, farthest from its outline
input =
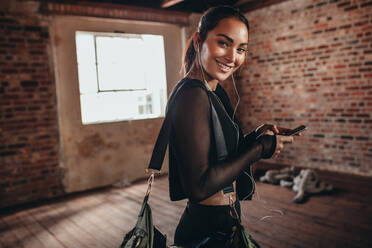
(119, 63)
(86, 63)
(130, 72)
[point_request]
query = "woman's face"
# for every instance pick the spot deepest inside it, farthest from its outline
(224, 48)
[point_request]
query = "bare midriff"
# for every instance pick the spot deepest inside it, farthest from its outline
(220, 198)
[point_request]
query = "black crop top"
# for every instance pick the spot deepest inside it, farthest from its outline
(195, 171)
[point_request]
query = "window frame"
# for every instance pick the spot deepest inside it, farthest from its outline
(162, 92)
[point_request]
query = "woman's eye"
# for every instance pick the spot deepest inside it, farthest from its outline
(222, 43)
(241, 50)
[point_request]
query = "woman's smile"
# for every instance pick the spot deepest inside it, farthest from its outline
(223, 67)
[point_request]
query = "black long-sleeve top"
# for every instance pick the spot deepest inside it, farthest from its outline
(195, 171)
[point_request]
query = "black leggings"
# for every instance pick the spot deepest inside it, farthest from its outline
(201, 221)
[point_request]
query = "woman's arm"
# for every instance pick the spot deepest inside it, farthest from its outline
(192, 129)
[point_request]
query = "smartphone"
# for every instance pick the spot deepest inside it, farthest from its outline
(294, 131)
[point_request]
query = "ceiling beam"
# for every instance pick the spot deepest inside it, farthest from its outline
(120, 11)
(169, 3)
(250, 5)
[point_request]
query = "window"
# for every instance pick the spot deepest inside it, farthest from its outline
(121, 76)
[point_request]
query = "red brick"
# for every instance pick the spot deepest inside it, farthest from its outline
(22, 123)
(332, 77)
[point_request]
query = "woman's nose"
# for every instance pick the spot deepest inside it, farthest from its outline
(230, 56)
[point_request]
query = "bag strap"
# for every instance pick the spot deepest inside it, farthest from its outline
(146, 198)
(160, 147)
(161, 143)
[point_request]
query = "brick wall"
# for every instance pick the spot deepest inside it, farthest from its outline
(28, 115)
(310, 62)
(30, 158)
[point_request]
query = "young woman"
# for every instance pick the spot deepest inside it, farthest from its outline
(213, 184)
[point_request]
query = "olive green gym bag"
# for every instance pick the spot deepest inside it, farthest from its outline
(144, 234)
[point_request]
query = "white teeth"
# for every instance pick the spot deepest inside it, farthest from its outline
(224, 66)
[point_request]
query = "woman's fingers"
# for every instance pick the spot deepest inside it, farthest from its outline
(269, 132)
(276, 153)
(283, 130)
(281, 140)
(286, 139)
(275, 129)
(268, 127)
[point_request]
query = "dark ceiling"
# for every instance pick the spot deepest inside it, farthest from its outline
(188, 6)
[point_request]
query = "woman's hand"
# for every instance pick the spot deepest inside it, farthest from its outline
(272, 129)
(280, 141)
(267, 129)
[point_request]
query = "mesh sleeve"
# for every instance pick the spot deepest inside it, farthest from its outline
(192, 131)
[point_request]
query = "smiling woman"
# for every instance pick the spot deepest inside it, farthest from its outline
(224, 49)
(209, 157)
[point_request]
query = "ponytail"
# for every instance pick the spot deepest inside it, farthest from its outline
(189, 55)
